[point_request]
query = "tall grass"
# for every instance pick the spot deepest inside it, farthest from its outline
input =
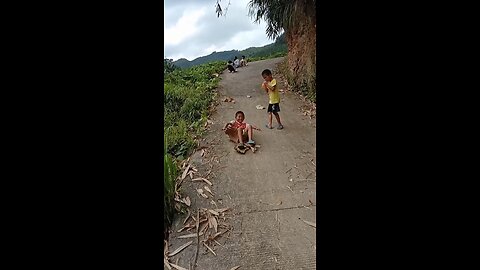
(188, 94)
(169, 175)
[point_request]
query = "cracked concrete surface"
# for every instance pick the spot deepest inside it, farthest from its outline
(270, 191)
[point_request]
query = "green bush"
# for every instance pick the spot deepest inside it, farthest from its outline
(188, 93)
(180, 141)
(187, 97)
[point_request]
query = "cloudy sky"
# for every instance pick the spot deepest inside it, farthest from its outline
(192, 28)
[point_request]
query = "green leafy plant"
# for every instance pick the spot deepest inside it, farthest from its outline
(188, 94)
(169, 175)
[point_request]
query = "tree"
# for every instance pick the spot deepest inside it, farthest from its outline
(297, 19)
(168, 66)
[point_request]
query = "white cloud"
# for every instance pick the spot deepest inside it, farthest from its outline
(192, 29)
(184, 28)
(210, 50)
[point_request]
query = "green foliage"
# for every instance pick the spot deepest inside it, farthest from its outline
(279, 47)
(281, 15)
(168, 66)
(274, 55)
(187, 96)
(180, 141)
(169, 175)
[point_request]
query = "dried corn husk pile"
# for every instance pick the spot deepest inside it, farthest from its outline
(188, 170)
(167, 255)
(310, 112)
(212, 225)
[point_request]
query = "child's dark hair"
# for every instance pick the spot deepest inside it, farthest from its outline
(239, 112)
(266, 72)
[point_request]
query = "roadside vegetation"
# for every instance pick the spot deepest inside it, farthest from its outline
(188, 94)
(169, 175)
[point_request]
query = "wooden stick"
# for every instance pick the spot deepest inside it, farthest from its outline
(198, 239)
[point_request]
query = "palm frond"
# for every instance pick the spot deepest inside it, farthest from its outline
(280, 14)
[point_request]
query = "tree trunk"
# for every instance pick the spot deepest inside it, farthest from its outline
(301, 41)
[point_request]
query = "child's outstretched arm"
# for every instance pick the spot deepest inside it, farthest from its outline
(255, 127)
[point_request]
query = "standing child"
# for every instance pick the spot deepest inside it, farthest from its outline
(270, 86)
(239, 131)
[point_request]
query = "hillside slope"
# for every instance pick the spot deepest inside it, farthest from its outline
(279, 46)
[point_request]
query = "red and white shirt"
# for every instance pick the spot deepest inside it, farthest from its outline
(238, 125)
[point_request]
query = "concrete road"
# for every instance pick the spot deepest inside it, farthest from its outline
(271, 192)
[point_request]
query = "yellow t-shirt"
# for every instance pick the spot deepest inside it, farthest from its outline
(274, 96)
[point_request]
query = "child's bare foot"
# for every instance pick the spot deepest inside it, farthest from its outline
(267, 126)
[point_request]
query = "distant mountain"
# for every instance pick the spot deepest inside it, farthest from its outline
(215, 56)
(181, 62)
(278, 46)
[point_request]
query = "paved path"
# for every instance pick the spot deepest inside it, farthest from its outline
(270, 191)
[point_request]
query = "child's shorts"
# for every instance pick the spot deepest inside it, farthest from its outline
(273, 107)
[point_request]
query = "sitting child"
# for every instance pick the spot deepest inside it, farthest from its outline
(236, 62)
(243, 62)
(239, 131)
(230, 67)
